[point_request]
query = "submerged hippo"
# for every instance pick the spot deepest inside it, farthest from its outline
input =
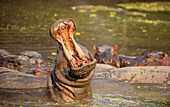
(26, 61)
(154, 58)
(33, 57)
(4, 57)
(107, 55)
(70, 81)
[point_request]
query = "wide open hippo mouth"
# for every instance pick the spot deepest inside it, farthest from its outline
(63, 31)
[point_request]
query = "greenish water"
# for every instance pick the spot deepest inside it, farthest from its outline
(24, 25)
(99, 100)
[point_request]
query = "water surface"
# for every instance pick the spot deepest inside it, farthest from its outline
(24, 25)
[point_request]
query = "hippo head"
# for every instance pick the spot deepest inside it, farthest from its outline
(107, 55)
(74, 66)
(154, 58)
(63, 31)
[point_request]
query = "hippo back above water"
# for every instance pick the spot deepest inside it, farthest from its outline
(154, 58)
(25, 61)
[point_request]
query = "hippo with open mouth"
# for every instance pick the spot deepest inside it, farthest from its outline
(74, 67)
(70, 80)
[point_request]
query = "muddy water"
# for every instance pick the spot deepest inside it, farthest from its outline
(24, 25)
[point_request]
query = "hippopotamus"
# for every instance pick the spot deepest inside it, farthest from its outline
(24, 61)
(4, 54)
(4, 57)
(34, 57)
(70, 80)
(74, 67)
(107, 55)
(154, 58)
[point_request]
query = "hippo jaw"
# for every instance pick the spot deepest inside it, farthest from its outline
(63, 31)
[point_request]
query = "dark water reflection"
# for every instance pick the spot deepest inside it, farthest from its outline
(24, 25)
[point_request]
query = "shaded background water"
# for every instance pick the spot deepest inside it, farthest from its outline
(24, 25)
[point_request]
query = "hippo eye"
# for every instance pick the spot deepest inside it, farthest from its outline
(150, 55)
(99, 53)
(162, 55)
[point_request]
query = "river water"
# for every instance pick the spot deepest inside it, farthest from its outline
(24, 25)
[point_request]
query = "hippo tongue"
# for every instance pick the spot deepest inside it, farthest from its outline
(78, 50)
(67, 47)
(69, 56)
(76, 57)
(63, 31)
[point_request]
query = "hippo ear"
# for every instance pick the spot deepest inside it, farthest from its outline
(115, 47)
(127, 62)
(104, 61)
(95, 47)
(162, 56)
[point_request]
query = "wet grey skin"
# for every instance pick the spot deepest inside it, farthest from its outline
(154, 58)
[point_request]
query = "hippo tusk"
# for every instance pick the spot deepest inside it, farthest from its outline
(90, 56)
(78, 50)
(69, 56)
